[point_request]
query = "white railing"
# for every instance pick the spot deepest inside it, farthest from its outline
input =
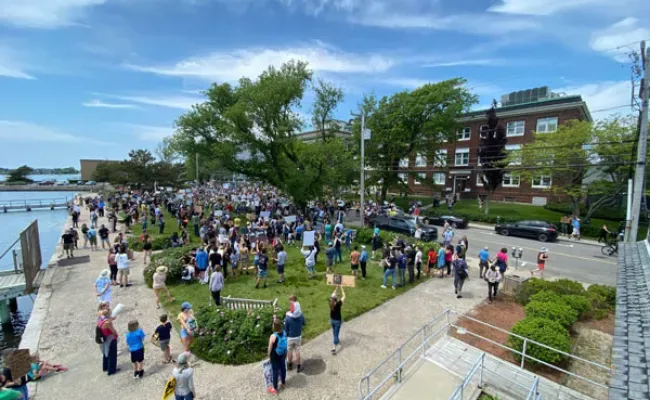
(477, 367)
(533, 393)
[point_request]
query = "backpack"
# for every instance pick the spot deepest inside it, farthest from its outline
(99, 335)
(281, 344)
(462, 274)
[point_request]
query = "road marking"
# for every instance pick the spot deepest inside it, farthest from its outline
(594, 259)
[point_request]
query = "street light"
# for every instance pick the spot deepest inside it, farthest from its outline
(365, 134)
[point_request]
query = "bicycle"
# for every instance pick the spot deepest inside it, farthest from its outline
(610, 249)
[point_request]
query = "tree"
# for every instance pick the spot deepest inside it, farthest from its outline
(251, 129)
(328, 97)
(140, 169)
(111, 172)
(20, 174)
(492, 155)
(407, 124)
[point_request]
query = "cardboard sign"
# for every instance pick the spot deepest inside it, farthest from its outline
(250, 217)
(342, 280)
(20, 363)
(308, 238)
(265, 214)
(290, 219)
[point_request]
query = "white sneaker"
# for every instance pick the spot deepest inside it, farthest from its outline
(384, 287)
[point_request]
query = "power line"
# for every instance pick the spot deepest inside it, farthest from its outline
(508, 168)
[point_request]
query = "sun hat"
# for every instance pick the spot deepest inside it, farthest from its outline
(544, 249)
(186, 306)
(486, 248)
(162, 269)
(182, 359)
(104, 273)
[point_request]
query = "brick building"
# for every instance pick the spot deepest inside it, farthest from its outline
(454, 169)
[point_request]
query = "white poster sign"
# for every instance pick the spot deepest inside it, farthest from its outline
(308, 238)
(218, 213)
(265, 214)
(290, 219)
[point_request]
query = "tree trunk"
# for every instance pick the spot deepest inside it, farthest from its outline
(575, 206)
(487, 203)
(382, 195)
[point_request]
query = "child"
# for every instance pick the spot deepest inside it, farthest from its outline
(234, 263)
(164, 334)
(135, 341)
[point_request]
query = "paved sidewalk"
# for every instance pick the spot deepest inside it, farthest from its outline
(67, 337)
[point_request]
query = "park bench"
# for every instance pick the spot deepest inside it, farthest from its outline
(246, 304)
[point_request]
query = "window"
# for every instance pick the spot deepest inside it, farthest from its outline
(483, 131)
(515, 128)
(464, 134)
(511, 180)
(403, 177)
(439, 178)
(404, 162)
(440, 158)
(547, 125)
(420, 161)
(515, 157)
(542, 181)
(479, 182)
(421, 176)
(462, 157)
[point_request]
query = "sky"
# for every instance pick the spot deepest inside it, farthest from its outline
(96, 78)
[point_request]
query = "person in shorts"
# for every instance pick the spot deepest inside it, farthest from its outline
(354, 261)
(103, 236)
(135, 340)
(280, 260)
(293, 323)
(262, 268)
(542, 257)
(164, 335)
(122, 260)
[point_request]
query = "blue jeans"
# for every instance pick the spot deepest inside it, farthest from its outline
(279, 369)
(188, 396)
(338, 256)
(23, 389)
(391, 272)
(402, 276)
(336, 329)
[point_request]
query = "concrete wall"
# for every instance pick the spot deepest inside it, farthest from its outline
(88, 168)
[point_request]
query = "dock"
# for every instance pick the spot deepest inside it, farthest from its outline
(34, 204)
(13, 284)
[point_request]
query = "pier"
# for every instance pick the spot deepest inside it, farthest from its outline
(35, 204)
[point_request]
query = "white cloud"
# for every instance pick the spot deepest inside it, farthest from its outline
(542, 7)
(468, 62)
(405, 83)
(100, 104)
(604, 98)
(11, 65)
(168, 101)
(44, 13)
(622, 34)
(20, 131)
(13, 72)
(229, 66)
(149, 133)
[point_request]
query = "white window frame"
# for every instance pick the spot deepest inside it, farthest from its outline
(421, 176)
(464, 150)
(480, 129)
(464, 134)
(403, 176)
(514, 148)
(440, 159)
(544, 122)
(540, 179)
(439, 182)
(479, 183)
(515, 128)
(510, 176)
(404, 162)
(420, 160)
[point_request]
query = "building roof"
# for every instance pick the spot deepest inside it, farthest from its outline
(631, 351)
(552, 104)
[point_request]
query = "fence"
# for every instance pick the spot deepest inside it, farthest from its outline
(380, 380)
(477, 367)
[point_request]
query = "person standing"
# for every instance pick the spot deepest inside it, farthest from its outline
(188, 325)
(493, 277)
(410, 263)
(112, 264)
(147, 249)
(448, 236)
(337, 247)
(330, 256)
(201, 260)
(564, 224)
(262, 268)
(103, 286)
(216, 285)
(375, 242)
(354, 261)
(449, 256)
(401, 266)
(277, 352)
(390, 263)
(109, 339)
(280, 261)
(461, 273)
(68, 243)
(483, 261)
(293, 323)
(575, 223)
(363, 262)
(122, 260)
(159, 285)
(542, 257)
(336, 320)
(310, 260)
(184, 376)
(135, 341)
(103, 236)
(161, 223)
(418, 260)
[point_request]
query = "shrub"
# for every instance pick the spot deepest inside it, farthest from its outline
(546, 296)
(554, 311)
(158, 243)
(529, 288)
(608, 292)
(567, 286)
(233, 336)
(580, 304)
(600, 307)
(170, 258)
(364, 235)
(542, 330)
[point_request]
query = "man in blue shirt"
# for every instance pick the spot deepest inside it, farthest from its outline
(484, 261)
(363, 260)
(201, 264)
(575, 222)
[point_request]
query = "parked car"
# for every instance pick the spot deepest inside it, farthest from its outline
(46, 183)
(62, 183)
(439, 220)
(90, 183)
(540, 230)
(405, 226)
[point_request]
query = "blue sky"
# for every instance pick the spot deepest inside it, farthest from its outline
(96, 78)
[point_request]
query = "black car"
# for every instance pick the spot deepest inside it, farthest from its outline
(540, 230)
(439, 220)
(405, 226)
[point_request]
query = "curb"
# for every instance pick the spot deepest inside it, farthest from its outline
(559, 239)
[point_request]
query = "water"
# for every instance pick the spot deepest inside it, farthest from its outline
(41, 178)
(50, 224)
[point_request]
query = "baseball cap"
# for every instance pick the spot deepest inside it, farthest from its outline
(186, 306)
(486, 248)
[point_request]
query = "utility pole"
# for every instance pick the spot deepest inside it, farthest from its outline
(363, 168)
(642, 147)
(196, 161)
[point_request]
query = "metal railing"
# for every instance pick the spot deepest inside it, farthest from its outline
(396, 365)
(477, 367)
(48, 202)
(17, 257)
(532, 394)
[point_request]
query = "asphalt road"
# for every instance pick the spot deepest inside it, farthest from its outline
(572, 260)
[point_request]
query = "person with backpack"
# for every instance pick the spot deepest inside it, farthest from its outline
(277, 352)
(183, 379)
(461, 273)
(106, 338)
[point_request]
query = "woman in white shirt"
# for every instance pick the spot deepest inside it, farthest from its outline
(122, 260)
(418, 260)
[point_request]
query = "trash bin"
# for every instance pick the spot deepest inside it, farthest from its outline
(512, 283)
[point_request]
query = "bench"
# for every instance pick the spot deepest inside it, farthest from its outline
(246, 304)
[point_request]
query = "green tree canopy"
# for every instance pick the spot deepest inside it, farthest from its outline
(20, 174)
(141, 169)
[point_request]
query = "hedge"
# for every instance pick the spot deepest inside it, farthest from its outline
(170, 258)
(157, 243)
(529, 288)
(546, 296)
(233, 337)
(581, 304)
(554, 311)
(545, 331)
(608, 292)
(600, 306)
(567, 286)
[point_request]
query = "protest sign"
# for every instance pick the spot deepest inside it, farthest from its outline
(218, 213)
(290, 219)
(20, 363)
(265, 214)
(342, 280)
(308, 238)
